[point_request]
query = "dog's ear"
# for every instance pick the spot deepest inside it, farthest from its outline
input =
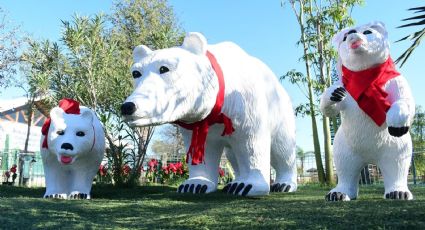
(56, 113)
(140, 52)
(380, 27)
(195, 43)
(87, 114)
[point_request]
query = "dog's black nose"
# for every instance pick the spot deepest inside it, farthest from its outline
(67, 146)
(128, 108)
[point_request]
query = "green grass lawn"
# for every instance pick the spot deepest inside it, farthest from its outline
(159, 207)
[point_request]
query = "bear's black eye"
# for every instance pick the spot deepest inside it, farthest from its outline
(345, 38)
(367, 32)
(80, 134)
(163, 69)
(352, 31)
(136, 74)
(60, 132)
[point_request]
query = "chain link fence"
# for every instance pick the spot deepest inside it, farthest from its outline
(371, 174)
(30, 170)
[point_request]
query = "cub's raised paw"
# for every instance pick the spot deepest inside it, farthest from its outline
(337, 196)
(193, 188)
(399, 195)
(55, 196)
(338, 94)
(398, 131)
(237, 188)
(79, 196)
(277, 187)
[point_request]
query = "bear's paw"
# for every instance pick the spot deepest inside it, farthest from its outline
(398, 131)
(337, 196)
(237, 188)
(399, 195)
(281, 187)
(79, 196)
(197, 186)
(338, 94)
(55, 196)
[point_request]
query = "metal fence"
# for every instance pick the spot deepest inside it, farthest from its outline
(31, 173)
(371, 174)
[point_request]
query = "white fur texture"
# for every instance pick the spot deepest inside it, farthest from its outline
(75, 177)
(256, 103)
(359, 141)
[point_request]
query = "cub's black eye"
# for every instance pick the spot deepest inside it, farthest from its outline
(163, 69)
(345, 38)
(136, 74)
(367, 32)
(352, 31)
(80, 134)
(60, 132)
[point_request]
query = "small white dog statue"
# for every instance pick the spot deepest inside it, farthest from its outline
(72, 148)
(377, 109)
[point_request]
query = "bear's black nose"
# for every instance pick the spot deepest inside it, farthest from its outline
(67, 146)
(128, 108)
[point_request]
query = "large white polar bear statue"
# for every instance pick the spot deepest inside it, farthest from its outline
(210, 88)
(72, 148)
(376, 113)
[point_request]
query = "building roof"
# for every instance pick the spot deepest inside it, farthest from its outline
(15, 110)
(11, 104)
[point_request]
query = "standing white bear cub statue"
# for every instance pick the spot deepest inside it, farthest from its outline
(72, 148)
(226, 101)
(377, 109)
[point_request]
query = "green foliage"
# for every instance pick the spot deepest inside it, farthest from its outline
(318, 22)
(419, 158)
(160, 207)
(151, 23)
(10, 42)
(416, 37)
(171, 144)
(91, 64)
(417, 130)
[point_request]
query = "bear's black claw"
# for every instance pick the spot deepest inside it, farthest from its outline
(246, 190)
(335, 196)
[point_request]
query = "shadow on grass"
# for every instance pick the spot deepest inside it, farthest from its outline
(7, 191)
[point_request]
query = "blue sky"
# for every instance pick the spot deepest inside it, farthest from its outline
(263, 28)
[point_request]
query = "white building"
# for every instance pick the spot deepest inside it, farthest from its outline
(13, 134)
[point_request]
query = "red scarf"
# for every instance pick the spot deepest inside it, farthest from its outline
(366, 88)
(200, 128)
(69, 106)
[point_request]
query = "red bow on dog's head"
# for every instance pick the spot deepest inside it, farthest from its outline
(69, 106)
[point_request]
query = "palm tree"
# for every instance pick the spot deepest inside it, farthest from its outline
(416, 36)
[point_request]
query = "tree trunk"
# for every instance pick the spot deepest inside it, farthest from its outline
(325, 78)
(316, 142)
(30, 113)
(21, 158)
(115, 154)
(328, 152)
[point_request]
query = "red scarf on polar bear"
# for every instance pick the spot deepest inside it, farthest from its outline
(70, 106)
(200, 128)
(366, 88)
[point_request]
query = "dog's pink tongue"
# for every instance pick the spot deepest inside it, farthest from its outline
(66, 159)
(356, 44)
